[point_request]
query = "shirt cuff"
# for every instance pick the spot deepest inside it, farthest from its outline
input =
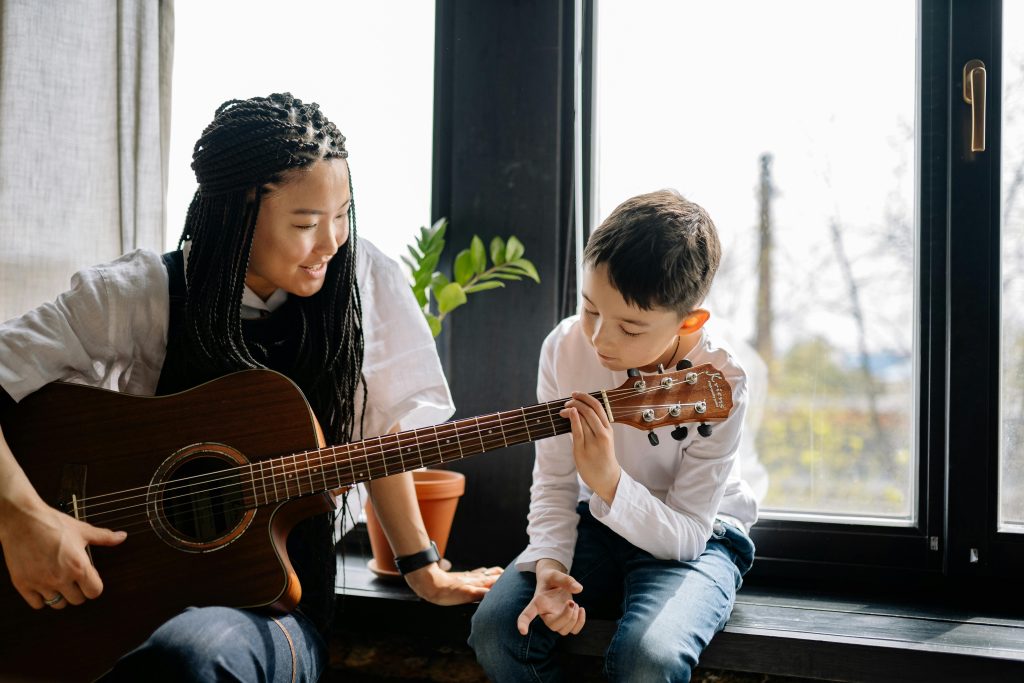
(528, 559)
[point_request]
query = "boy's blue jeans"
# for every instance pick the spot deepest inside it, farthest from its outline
(226, 644)
(670, 610)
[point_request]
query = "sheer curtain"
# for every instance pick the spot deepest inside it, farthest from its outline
(85, 90)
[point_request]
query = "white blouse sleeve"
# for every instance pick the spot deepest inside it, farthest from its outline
(405, 383)
(109, 330)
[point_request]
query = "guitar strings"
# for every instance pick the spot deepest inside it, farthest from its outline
(370, 473)
(481, 421)
(241, 485)
(388, 452)
(612, 394)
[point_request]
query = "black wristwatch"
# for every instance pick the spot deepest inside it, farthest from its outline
(410, 563)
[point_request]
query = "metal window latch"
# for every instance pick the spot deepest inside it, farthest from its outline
(974, 95)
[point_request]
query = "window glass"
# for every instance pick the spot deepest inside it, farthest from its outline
(370, 66)
(800, 144)
(1011, 480)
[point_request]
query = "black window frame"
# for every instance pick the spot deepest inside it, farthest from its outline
(957, 318)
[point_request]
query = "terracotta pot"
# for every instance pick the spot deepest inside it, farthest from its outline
(438, 494)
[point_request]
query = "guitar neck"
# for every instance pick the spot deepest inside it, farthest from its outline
(333, 467)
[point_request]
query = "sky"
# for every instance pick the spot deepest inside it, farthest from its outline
(368, 64)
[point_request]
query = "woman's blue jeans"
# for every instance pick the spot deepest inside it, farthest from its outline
(670, 610)
(226, 644)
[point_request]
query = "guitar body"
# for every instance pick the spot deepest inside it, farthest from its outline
(76, 443)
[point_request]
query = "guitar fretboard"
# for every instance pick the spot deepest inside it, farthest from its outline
(326, 469)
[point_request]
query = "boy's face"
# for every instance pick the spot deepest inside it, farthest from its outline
(624, 336)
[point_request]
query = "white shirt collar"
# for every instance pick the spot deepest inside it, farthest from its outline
(252, 305)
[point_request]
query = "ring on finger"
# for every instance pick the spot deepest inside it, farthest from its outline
(54, 600)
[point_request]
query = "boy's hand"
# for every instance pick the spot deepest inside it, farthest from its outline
(552, 602)
(592, 445)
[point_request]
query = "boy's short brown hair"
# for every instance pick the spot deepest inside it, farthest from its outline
(662, 251)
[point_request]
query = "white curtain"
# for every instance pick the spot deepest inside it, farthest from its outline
(85, 88)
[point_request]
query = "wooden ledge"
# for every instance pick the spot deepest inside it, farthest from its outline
(772, 631)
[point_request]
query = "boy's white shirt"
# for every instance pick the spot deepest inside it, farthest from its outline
(668, 495)
(110, 330)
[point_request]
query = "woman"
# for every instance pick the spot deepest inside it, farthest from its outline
(268, 274)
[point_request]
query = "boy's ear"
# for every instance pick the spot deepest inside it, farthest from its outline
(694, 320)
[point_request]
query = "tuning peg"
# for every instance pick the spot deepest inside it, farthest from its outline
(704, 430)
(683, 364)
(653, 438)
(680, 432)
(633, 372)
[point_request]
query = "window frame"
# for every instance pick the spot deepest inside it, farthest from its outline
(958, 288)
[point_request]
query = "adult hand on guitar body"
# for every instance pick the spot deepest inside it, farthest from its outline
(45, 549)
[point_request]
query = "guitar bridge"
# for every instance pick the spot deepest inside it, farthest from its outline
(72, 491)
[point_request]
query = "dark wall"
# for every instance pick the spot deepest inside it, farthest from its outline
(502, 166)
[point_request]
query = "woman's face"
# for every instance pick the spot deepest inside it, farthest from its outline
(302, 223)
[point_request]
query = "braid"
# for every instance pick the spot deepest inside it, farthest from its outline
(249, 144)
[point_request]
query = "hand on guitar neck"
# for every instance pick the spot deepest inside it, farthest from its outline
(45, 550)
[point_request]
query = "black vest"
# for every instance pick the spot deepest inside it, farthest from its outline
(272, 342)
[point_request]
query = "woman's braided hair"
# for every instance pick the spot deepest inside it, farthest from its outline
(249, 144)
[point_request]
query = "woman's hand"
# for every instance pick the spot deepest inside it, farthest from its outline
(46, 556)
(434, 584)
(593, 446)
(553, 603)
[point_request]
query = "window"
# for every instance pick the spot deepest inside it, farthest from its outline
(804, 158)
(874, 262)
(320, 52)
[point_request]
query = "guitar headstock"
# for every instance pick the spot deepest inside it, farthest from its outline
(696, 394)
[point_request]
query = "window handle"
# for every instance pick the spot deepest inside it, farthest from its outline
(974, 95)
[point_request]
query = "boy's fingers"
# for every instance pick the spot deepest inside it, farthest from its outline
(580, 621)
(568, 583)
(525, 617)
(594, 405)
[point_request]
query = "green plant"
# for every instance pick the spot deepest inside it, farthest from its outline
(471, 273)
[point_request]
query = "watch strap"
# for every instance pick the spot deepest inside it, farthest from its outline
(410, 563)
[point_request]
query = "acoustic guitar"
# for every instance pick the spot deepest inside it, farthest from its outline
(209, 482)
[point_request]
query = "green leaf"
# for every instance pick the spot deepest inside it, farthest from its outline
(433, 323)
(514, 249)
(503, 276)
(481, 286)
(526, 267)
(421, 296)
(437, 283)
(429, 263)
(450, 298)
(416, 256)
(464, 269)
(498, 251)
(409, 263)
(476, 246)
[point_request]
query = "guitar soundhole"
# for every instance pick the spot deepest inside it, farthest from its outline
(202, 499)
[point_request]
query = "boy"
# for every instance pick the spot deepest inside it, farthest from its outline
(659, 530)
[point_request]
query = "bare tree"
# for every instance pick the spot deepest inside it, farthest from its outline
(763, 331)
